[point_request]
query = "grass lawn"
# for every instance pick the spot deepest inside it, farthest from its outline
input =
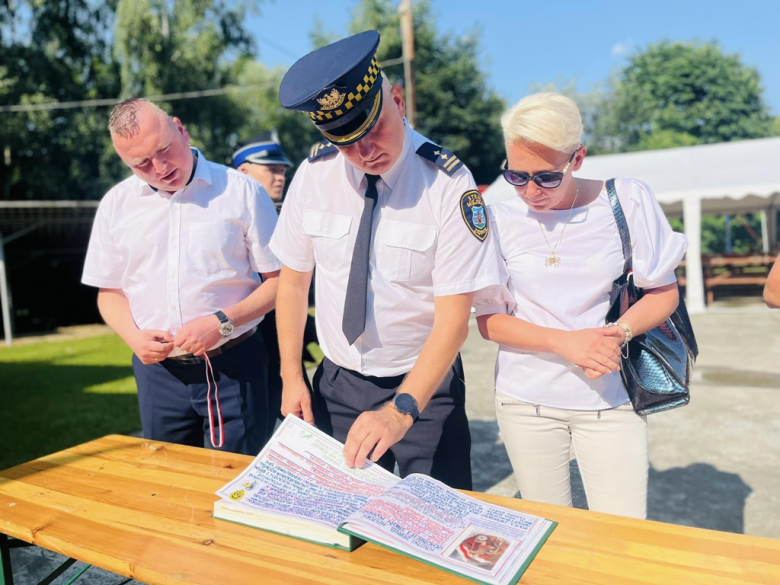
(58, 394)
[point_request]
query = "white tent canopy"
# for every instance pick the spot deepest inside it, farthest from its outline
(730, 177)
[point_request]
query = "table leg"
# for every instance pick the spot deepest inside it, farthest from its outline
(6, 573)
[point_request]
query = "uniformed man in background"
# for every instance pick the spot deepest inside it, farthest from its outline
(262, 158)
(398, 233)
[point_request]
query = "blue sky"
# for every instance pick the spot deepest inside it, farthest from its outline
(525, 43)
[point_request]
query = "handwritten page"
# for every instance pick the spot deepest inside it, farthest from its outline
(301, 473)
(425, 519)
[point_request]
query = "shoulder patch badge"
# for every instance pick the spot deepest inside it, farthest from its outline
(441, 157)
(475, 214)
(320, 150)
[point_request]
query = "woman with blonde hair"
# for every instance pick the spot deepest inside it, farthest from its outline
(558, 384)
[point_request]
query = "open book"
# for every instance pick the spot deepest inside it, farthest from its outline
(300, 486)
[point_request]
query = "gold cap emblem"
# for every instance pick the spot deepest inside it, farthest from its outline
(332, 100)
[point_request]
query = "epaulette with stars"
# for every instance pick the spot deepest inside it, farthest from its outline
(321, 149)
(441, 157)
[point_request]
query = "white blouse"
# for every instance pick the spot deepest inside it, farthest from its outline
(575, 294)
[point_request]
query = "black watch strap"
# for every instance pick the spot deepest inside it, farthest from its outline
(222, 317)
(408, 405)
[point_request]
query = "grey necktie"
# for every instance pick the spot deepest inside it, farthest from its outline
(354, 322)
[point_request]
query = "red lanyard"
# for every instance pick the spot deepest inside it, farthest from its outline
(210, 370)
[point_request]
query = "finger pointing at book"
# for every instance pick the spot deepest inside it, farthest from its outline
(375, 431)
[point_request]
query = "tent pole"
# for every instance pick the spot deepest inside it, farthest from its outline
(694, 289)
(764, 231)
(5, 297)
(771, 225)
(727, 226)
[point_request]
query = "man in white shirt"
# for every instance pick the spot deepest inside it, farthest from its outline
(175, 251)
(393, 224)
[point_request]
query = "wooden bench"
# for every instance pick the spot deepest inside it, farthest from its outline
(730, 270)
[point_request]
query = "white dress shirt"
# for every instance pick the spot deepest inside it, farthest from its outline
(185, 255)
(574, 295)
(421, 248)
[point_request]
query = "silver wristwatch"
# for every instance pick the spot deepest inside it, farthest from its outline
(226, 326)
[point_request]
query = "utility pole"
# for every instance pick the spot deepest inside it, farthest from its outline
(7, 161)
(407, 37)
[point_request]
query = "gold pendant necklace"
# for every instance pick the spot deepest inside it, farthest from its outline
(553, 261)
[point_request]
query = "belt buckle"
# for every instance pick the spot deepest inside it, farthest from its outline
(190, 360)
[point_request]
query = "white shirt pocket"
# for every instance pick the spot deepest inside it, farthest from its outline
(404, 251)
(212, 245)
(329, 235)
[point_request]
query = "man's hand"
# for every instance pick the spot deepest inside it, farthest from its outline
(296, 399)
(595, 349)
(198, 336)
(377, 430)
(151, 345)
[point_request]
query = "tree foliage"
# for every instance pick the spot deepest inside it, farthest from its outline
(455, 107)
(63, 55)
(262, 110)
(76, 50)
(678, 94)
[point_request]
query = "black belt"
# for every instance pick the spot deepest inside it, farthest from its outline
(212, 353)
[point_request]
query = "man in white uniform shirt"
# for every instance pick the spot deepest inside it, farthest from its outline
(175, 251)
(398, 234)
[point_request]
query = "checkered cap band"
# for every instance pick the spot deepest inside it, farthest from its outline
(353, 98)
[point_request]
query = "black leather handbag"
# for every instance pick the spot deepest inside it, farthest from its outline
(656, 365)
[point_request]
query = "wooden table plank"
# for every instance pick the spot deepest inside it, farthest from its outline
(143, 509)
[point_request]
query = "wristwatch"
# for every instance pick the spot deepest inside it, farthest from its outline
(226, 326)
(406, 404)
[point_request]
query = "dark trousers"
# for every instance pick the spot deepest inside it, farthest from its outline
(172, 398)
(271, 336)
(438, 444)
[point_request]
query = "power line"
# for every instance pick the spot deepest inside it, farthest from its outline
(169, 97)
(278, 47)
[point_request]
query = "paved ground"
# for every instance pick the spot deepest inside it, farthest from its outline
(714, 463)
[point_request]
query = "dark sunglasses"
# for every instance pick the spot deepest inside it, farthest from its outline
(547, 180)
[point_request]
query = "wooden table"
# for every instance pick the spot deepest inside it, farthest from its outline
(143, 509)
(732, 269)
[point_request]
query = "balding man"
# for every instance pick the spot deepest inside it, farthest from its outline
(175, 251)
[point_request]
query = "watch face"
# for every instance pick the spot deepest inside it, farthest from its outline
(404, 403)
(226, 329)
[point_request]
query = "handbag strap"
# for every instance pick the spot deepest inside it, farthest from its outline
(622, 226)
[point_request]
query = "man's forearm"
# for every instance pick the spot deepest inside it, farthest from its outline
(291, 310)
(450, 329)
(259, 303)
(115, 310)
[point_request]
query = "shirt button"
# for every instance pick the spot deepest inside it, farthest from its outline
(173, 307)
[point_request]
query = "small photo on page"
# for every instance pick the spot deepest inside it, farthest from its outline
(480, 549)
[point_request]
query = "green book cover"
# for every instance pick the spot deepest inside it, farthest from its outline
(354, 541)
(452, 571)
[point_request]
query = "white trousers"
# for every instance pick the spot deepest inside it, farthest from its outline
(610, 447)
